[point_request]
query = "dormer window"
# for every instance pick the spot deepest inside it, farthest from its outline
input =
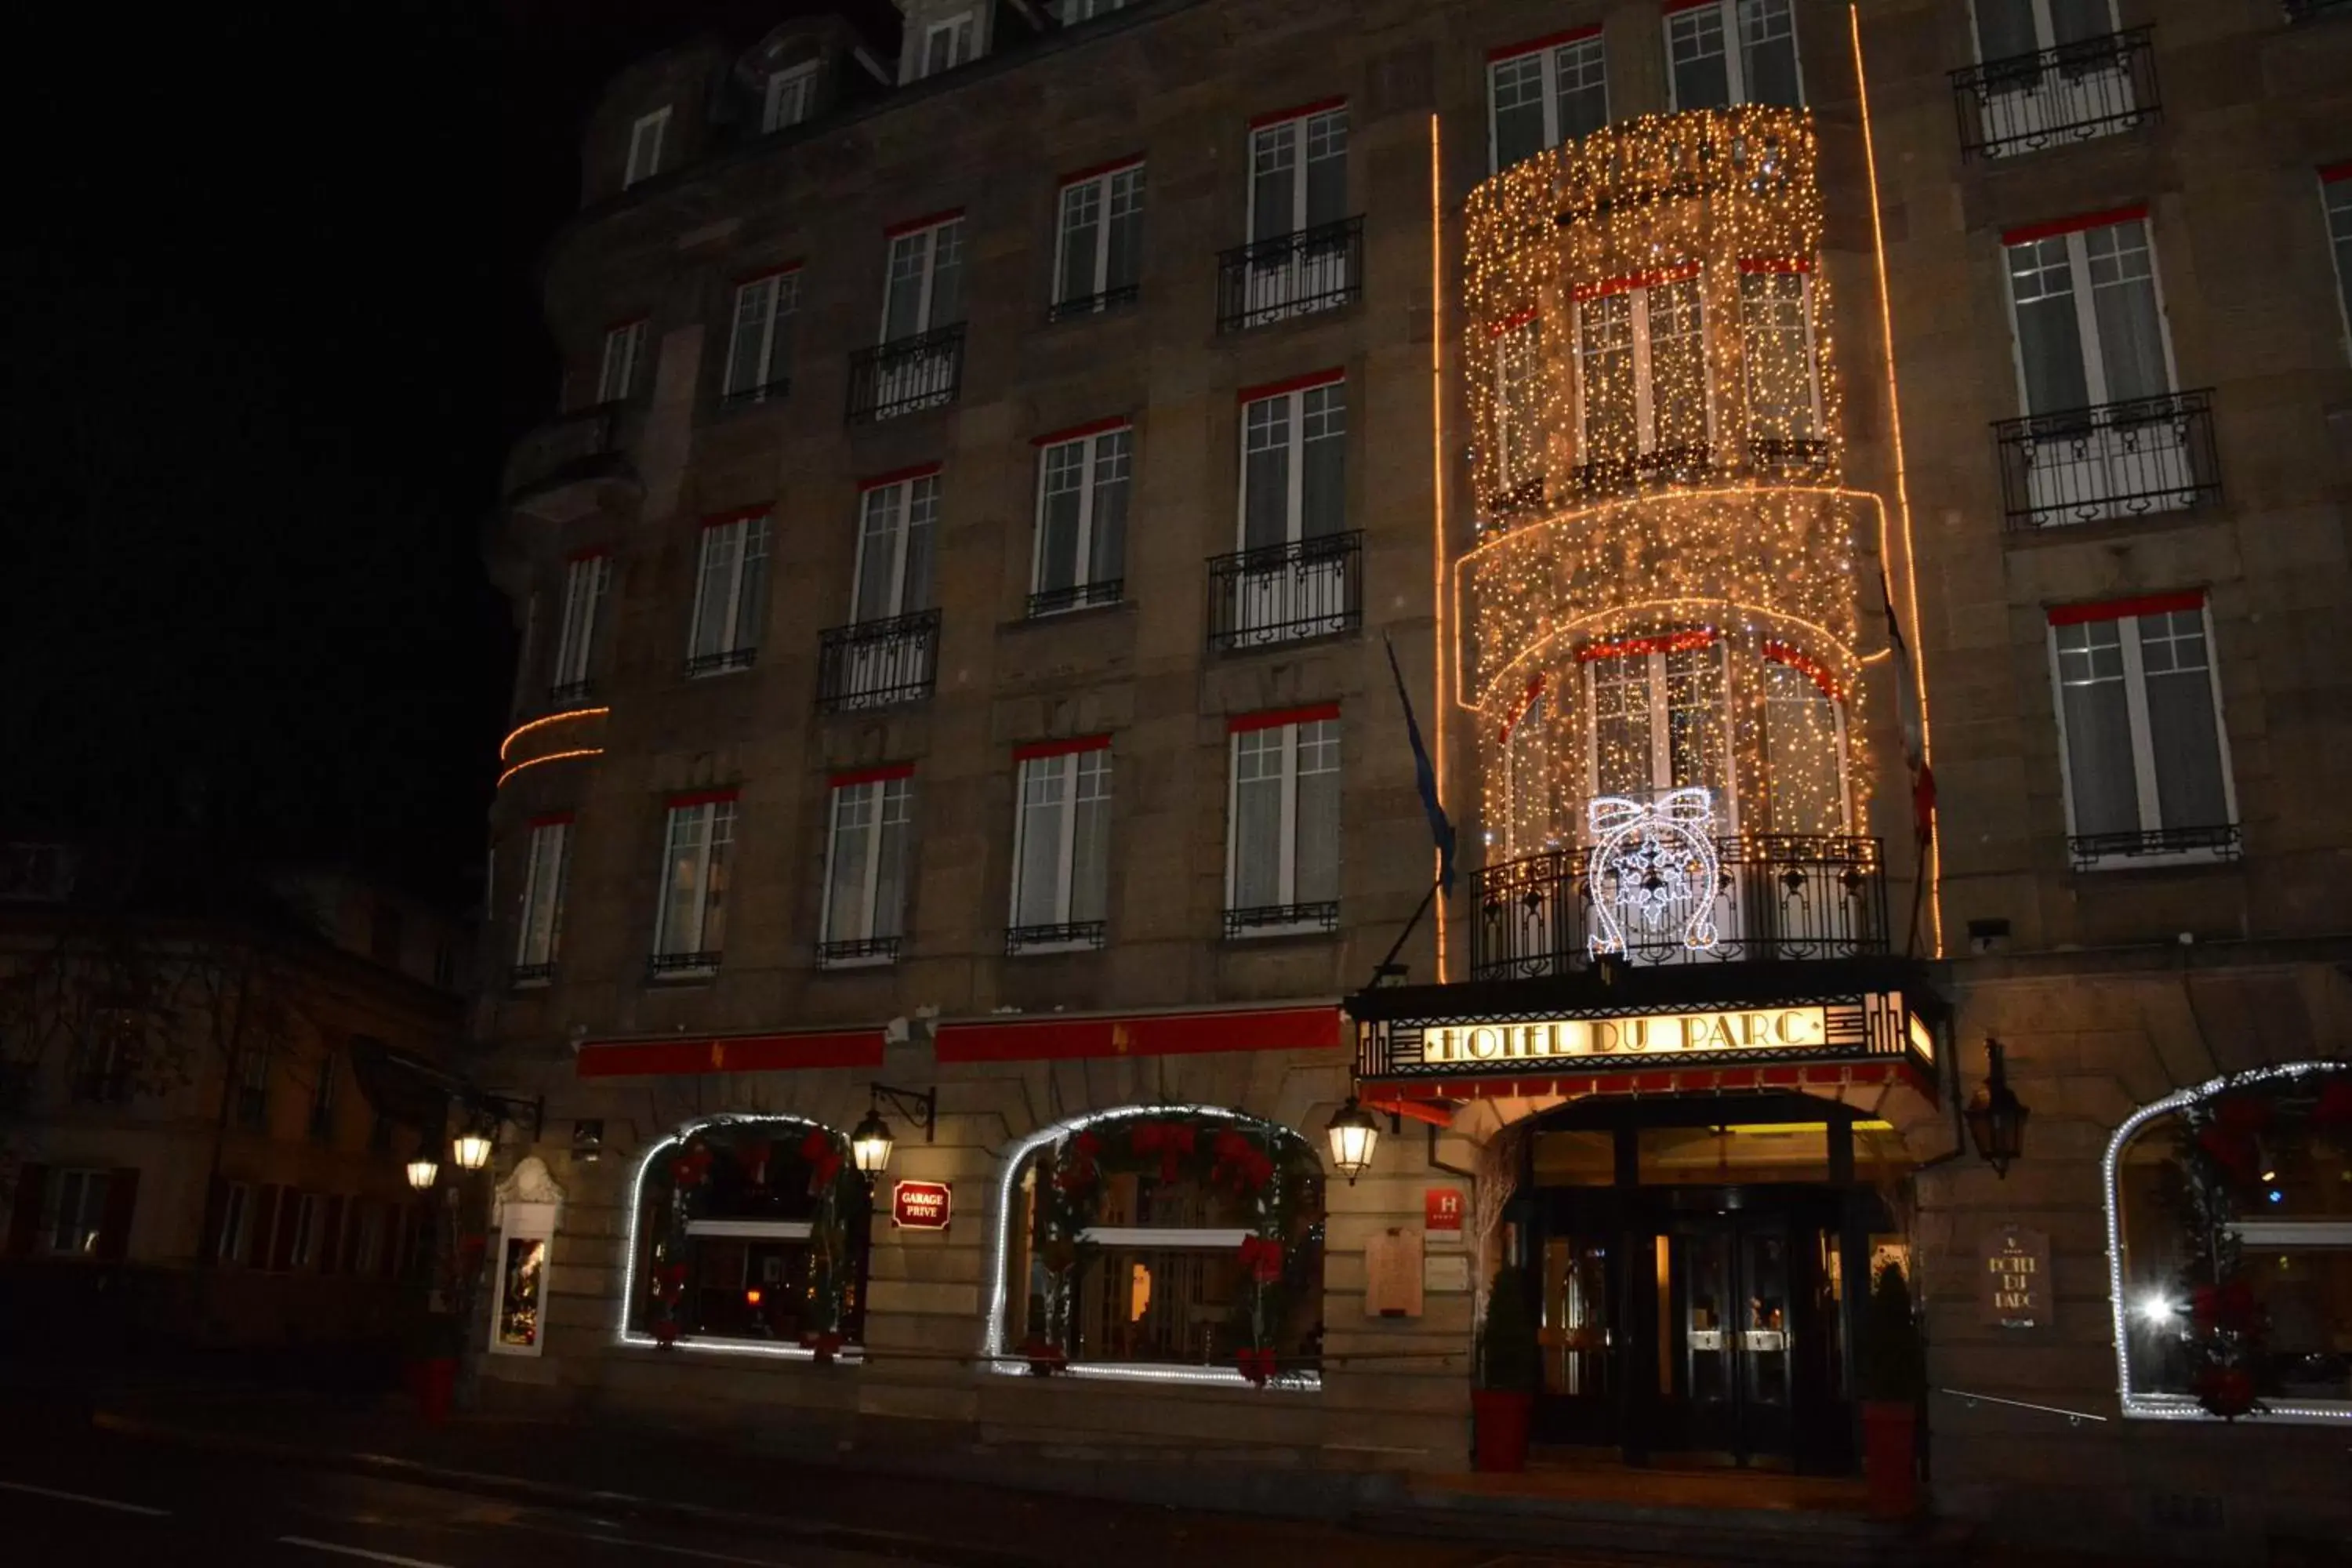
(790, 98)
(948, 45)
(646, 146)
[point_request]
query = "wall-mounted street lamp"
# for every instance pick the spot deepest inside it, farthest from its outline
(870, 1141)
(423, 1170)
(1996, 1116)
(1354, 1133)
(470, 1150)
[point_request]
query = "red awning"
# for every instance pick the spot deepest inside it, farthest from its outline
(731, 1053)
(1309, 1029)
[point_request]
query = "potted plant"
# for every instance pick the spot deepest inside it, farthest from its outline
(1508, 1367)
(432, 1369)
(1894, 1382)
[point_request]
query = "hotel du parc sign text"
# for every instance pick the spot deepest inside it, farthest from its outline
(1659, 1035)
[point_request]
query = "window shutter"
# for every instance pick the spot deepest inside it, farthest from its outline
(215, 1214)
(121, 1198)
(331, 1236)
(25, 1219)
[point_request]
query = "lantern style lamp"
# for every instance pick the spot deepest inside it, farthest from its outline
(1354, 1133)
(1996, 1116)
(470, 1149)
(423, 1172)
(870, 1144)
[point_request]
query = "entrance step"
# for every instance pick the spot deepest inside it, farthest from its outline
(1730, 1518)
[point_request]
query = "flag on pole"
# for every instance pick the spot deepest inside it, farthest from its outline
(1914, 733)
(1424, 778)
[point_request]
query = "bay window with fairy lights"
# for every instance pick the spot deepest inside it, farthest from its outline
(2230, 1251)
(1780, 369)
(1164, 1242)
(691, 919)
(1282, 850)
(1724, 52)
(2146, 771)
(1660, 717)
(1644, 404)
(1544, 91)
(749, 1234)
(1522, 438)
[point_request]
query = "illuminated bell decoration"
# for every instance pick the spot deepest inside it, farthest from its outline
(1354, 1132)
(1653, 866)
(870, 1144)
(423, 1172)
(1996, 1116)
(471, 1151)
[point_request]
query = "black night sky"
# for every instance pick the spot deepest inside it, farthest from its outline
(272, 325)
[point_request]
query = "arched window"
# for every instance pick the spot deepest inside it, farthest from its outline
(2229, 1246)
(749, 1233)
(1177, 1242)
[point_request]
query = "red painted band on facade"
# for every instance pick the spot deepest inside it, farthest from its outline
(552, 819)
(917, 225)
(2329, 174)
(1029, 749)
(871, 775)
(1294, 383)
(1549, 41)
(1535, 689)
(1096, 170)
(590, 553)
(702, 797)
(2118, 609)
(898, 477)
(1319, 106)
(1668, 7)
(1079, 432)
(1517, 320)
(741, 1053)
(730, 519)
(1626, 285)
(1162, 1035)
(1806, 665)
(622, 326)
(1776, 264)
(765, 273)
(1673, 642)
(2035, 231)
(1275, 717)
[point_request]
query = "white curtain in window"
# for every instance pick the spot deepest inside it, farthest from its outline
(895, 545)
(2184, 742)
(2096, 713)
(1258, 799)
(1317, 872)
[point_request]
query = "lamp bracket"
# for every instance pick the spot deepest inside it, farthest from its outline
(503, 1108)
(920, 1108)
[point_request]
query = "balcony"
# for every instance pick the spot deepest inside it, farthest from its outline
(530, 976)
(2116, 461)
(1282, 919)
(1078, 305)
(877, 664)
(2155, 846)
(1076, 936)
(775, 391)
(721, 663)
(554, 470)
(1286, 592)
(2090, 88)
(1795, 897)
(683, 965)
(1078, 597)
(1270, 280)
(863, 952)
(905, 375)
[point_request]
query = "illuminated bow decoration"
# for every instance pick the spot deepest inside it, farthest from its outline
(1652, 860)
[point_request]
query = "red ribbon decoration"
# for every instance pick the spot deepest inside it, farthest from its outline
(824, 1159)
(2235, 1151)
(2230, 1308)
(2226, 1390)
(1173, 1141)
(1262, 1259)
(691, 1168)
(1241, 1164)
(1258, 1365)
(2335, 1107)
(2244, 1114)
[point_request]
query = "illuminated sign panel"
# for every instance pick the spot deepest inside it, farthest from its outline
(1657, 1035)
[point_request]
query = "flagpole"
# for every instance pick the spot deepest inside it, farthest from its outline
(1403, 936)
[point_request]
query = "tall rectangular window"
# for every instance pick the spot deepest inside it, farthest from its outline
(1544, 92)
(322, 1098)
(2026, 100)
(73, 1216)
(253, 1089)
(730, 598)
(540, 927)
(616, 372)
(897, 524)
(1282, 849)
(789, 97)
(1069, 11)
(759, 348)
(585, 577)
(866, 865)
(1642, 397)
(1783, 384)
(646, 146)
(1660, 717)
(690, 926)
(1519, 405)
(1098, 243)
(923, 286)
(948, 45)
(1061, 845)
(1083, 484)
(1294, 464)
(2147, 773)
(2335, 190)
(2089, 321)
(309, 1226)
(1298, 172)
(236, 1220)
(1722, 52)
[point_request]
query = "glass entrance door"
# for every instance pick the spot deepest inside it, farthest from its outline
(1732, 1331)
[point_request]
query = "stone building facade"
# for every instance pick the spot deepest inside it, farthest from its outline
(959, 596)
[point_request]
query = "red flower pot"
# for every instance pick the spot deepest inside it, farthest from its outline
(1890, 1458)
(434, 1380)
(1499, 1418)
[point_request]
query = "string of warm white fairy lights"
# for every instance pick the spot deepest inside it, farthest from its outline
(1657, 446)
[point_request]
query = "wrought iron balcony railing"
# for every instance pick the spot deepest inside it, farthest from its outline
(877, 664)
(1062, 938)
(2116, 460)
(1078, 597)
(862, 953)
(729, 659)
(683, 964)
(1297, 274)
(569, 694)
(527, 974)
(1778, 895)
(2220, 841)
(585, 445)
(1093, 304)
(774, 390)
(2092, 87)
(1283, 920)
(1683, 465)
(905, 375)
(1285, 593)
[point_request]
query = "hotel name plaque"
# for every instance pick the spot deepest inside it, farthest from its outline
(1656, 1034)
